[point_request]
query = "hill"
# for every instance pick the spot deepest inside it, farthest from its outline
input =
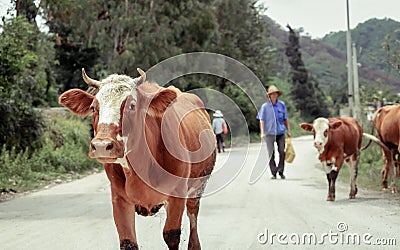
(326, 59)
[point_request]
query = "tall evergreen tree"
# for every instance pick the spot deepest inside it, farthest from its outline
(308, 98)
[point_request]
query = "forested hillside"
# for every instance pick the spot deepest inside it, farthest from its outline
(326, 59)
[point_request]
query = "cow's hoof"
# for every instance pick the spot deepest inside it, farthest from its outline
(352, 194)
(384, 189)
(330, 198)
(394, 190)
(128, 245)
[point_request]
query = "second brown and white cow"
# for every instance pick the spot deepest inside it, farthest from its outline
(387, 123)
(337, 140)
(157, 147)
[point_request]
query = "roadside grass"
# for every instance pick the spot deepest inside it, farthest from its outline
(61, 157)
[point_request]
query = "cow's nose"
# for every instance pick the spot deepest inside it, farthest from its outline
(318, 144)
(102, 148)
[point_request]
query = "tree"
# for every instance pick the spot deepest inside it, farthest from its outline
(22, 83)
(392, 49)
(243, 35)
(308, 98)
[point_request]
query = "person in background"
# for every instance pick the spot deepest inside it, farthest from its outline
(217, 122)
(274, 124)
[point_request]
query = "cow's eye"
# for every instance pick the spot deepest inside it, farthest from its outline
(92, 109)
(132, 106)
(326, 133)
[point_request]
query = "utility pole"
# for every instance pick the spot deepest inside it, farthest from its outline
(349, 64)
(357, 104)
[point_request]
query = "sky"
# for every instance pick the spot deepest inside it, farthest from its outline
(317, 17)
(320, 17)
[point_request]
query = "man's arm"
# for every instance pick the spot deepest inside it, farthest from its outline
(287, 125)
(262, 129)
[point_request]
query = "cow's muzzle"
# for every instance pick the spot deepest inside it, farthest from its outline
(105, 150)
(105, 147)
(318, 145)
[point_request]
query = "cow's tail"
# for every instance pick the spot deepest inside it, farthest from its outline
(372, 131)
(374, 139)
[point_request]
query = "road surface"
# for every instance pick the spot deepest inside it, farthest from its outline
(270, 214)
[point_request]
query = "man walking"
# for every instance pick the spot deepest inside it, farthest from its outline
(274, 124)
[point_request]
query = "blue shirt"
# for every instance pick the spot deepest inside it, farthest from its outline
(274, 116)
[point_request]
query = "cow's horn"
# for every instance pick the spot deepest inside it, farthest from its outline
(142, 76)
(89, 80)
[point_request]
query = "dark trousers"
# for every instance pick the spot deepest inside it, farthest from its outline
(220, 142)
(280, 141)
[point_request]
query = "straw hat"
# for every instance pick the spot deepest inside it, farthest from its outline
(218, 113)
(274, 89)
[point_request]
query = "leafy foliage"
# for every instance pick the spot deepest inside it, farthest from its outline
(22, 83)
(64, 151)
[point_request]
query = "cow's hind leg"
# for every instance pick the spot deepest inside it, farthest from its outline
(192, 210)
(353, 167)
(172, 228)
(392, 179)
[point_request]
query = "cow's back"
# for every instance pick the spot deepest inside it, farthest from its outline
(387, 123)
(348, 135)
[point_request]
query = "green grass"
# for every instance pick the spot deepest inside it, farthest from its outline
(62, 155)
(369, 169)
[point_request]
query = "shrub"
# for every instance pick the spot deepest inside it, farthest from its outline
(64, 153)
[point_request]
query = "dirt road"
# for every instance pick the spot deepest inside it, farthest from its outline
(277, 214)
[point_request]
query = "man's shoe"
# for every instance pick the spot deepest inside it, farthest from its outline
(282, 176)
(273, 177)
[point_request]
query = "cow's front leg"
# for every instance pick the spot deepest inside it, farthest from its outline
(124, 218)
(172, 228)
(332, 180)
(123, 210)
(329, 198)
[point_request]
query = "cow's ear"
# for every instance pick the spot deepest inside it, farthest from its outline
(161, 101)
(335, 125)
(76, 100)
(306, 126)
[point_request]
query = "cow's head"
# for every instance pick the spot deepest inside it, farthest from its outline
(106, 105)
(320, 129)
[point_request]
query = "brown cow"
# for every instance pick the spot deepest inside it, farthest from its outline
(387, 123)
(157, 148)
(337, 140)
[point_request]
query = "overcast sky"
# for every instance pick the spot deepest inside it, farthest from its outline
(320, 17)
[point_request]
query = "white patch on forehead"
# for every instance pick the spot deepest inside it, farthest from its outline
(113, 92)
(321, 124)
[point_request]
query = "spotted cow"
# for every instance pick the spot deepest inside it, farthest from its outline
(157, 148)
(337, 140)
